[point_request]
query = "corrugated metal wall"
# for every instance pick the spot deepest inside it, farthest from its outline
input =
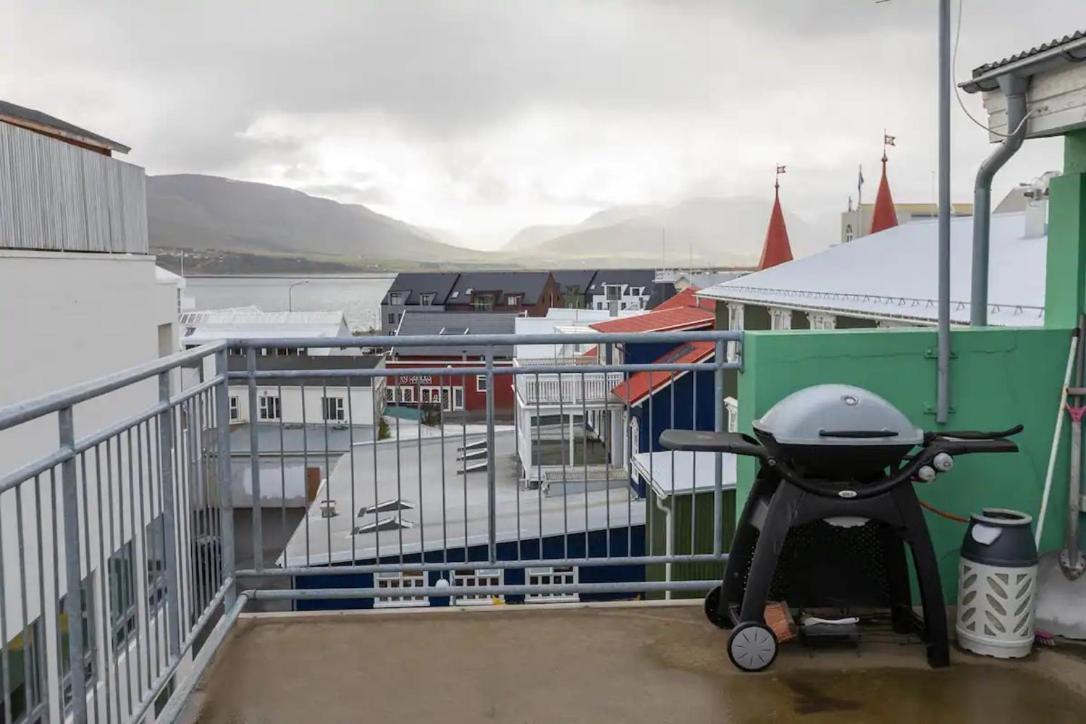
(688, 516)
(58, 197)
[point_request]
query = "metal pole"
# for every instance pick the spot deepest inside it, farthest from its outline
(73, 604)
(169, 513)
(254, 463)
(942, 387)
(491, 467)
(226, 493)
(718, 459)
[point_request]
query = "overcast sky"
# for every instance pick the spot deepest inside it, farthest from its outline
(484, 117)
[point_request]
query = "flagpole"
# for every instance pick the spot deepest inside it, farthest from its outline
(859, 204)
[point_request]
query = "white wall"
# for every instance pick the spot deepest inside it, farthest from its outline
(359, 410)
(67, 318)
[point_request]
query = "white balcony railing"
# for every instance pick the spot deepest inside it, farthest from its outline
(571, 389)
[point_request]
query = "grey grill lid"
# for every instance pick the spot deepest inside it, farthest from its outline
(837, 415)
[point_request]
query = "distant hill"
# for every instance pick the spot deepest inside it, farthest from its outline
(189, 211)
(710, 230)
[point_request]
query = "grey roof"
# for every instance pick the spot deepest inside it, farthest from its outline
(62, 127)
(633, 277)
(237, 363)
(1054, 52)
(579, 278)
(528, 283)
(453, 325)
(415, 283)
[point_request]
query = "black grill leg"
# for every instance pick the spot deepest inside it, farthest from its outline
(927, 573)
(740, 554)
(782, 511)
(897, 574)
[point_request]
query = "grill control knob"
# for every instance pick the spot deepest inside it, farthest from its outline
(925, 474)
(943, 462)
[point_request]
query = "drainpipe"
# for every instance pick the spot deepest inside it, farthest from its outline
(667, 551)
(1014, 90)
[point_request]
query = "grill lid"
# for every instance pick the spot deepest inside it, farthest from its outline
(838, 415)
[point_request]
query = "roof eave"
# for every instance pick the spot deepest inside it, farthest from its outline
(1029, 66)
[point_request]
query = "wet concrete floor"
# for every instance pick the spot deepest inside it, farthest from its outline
(592, 665)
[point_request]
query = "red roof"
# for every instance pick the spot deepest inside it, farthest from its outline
(776, 249)
(659, 320)
(686, 298)
(883, 217)
(636, 388)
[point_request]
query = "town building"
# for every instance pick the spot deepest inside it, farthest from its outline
(530, 293)
(427, 291)
(201, 327)
(574, 285)
(621, 289)
(465, 394)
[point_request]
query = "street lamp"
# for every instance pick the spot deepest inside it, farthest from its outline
(290, 294)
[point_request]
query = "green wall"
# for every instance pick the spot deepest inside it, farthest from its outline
(689, 509)
(999, 377)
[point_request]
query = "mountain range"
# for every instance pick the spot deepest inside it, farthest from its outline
(228, 221)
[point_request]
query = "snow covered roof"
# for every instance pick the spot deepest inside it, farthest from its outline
(892, 275)
(442, 515)
(675, 472)
(249, 322)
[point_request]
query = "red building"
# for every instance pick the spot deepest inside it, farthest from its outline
(456, 393)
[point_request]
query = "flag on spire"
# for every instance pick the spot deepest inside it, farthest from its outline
(776, 249)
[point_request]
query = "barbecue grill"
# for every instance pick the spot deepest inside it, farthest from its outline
(830, 514)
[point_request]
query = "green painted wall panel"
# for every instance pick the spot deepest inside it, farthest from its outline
(698, 514)
(999, 377)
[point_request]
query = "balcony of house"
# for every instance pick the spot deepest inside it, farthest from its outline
(447, 568)
(579, 384)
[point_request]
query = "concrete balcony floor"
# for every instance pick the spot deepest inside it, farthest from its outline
(627, 663)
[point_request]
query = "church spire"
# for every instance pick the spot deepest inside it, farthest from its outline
(776, 249)
(884, 216)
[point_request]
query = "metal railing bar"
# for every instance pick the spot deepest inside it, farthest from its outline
(21, 474)
(446, 591)
(487, 340)
(473, 371)
(621, 561)
(36, 407)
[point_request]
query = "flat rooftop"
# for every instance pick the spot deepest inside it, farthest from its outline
(605, 663)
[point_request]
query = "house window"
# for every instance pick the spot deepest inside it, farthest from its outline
(483, 302)
(397, 299)
(821, 320)
(477, 578)
(780, 318)
(332, 408)
(86, 597)
(399, 580)
(731, 406)
(122, 595)
(235, 408)
(392, 318)
(155, 542)
(270, 407)
(427, 299)
(480, 383)
(390, 393)
(458, 398)
(26, 651)
(849, 233)
(512, 300)
(407, 394)
(551, 576)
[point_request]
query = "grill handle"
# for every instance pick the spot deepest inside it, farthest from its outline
(715, 442)
(972, 434)
(858, 434)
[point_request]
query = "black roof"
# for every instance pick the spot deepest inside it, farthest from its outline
(415, 283)
(62, 127)
(632, 277)
(455, 325)
(530, 284)
(570, 278)
(309, 362)
(1077, 38)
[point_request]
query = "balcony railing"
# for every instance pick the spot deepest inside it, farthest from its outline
(168, 536)
(549, 388)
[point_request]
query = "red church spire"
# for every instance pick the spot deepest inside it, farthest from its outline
(776, 249)
(884, 217)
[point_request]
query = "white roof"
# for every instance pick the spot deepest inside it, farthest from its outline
(165, 276)
(893, 275)
(444, 515)
(249, 322)
(560, 321)
(674, 472)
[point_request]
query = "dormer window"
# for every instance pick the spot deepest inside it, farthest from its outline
(426, 299)
(397, 299)
(513, 300)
